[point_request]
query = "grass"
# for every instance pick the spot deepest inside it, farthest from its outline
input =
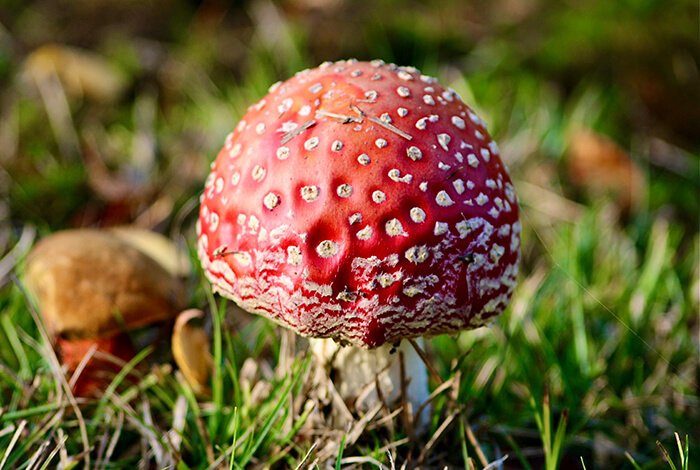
(594, 365)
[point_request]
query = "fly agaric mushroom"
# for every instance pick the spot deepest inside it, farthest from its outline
(362, 203)
(95, 286)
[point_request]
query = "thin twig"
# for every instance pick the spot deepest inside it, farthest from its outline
(391, 127)
(295, 132)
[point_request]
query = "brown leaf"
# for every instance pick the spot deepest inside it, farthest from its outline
(599, 166)
(82, 73)
(90, 283)
(190, 345)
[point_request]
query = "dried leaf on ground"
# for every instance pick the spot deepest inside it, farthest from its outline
(191, 351)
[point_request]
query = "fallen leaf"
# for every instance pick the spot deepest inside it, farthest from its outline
(190, 345)
(92, 288)
(599, 166)
(83, 73)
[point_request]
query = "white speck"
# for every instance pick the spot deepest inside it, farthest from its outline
(417, 215)
(376, 77)
(271, 200)
(235, 151)
(336, 146)
(394, 228)
(241, 125)
(371, 95)
(363, 159)
(444, 140)
(385, 118)
(274, 87)
(470, 184)
(464, 145)
(243, 258)
(493, 212)
(285, 106)
(429, 89)
(293, 255)
(380, 143)
(510, 193)
(403, 75)
(344, 190)
(449, 95)
(429, 100)
(496, 253)
(219, 184)
(253, 223)
(504, 231)
(395, 175)
(258, 173)
(475, 119)
(472, 160)
(421, 123)
(305, 110)
(479, 135)
(458, 185)
(423, 186)
(440, 228)
(417, 254)
(443, 166)
(241, 219)
(260, 128)
(443, 199)
(458, 122)
(315, 88)
(385, 279)
(282, 153)
(485, 155)
(365, 233)
(288, 126)
(310, 193)
(463, 228)
(459, 157)
(490, 183)
(311, 143)
(402, 112)
(412, 291)
(355, 218)
(433, 118)
(213, 221)
(414, 153)
(403, 92)
(482, 199)
(494, 148)
(327, 248)
(346, 295)
(356, 73)
(378, 196)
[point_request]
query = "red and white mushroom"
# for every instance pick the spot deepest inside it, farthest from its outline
(364, 203)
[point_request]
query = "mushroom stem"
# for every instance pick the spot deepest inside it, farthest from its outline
(357, 372)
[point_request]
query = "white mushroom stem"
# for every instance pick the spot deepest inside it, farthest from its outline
(357, 371)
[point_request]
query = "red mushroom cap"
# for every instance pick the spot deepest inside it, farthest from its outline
(362, 202)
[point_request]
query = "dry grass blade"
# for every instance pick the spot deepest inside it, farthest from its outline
(301, 464)
(370, 460)
(437, 435)
(179, 418)
(81, 366)
(13, 441)
(496, 463)
(436, 376)
(59, 377)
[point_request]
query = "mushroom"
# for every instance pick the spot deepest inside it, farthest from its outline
(363, 203)
(92, 288)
